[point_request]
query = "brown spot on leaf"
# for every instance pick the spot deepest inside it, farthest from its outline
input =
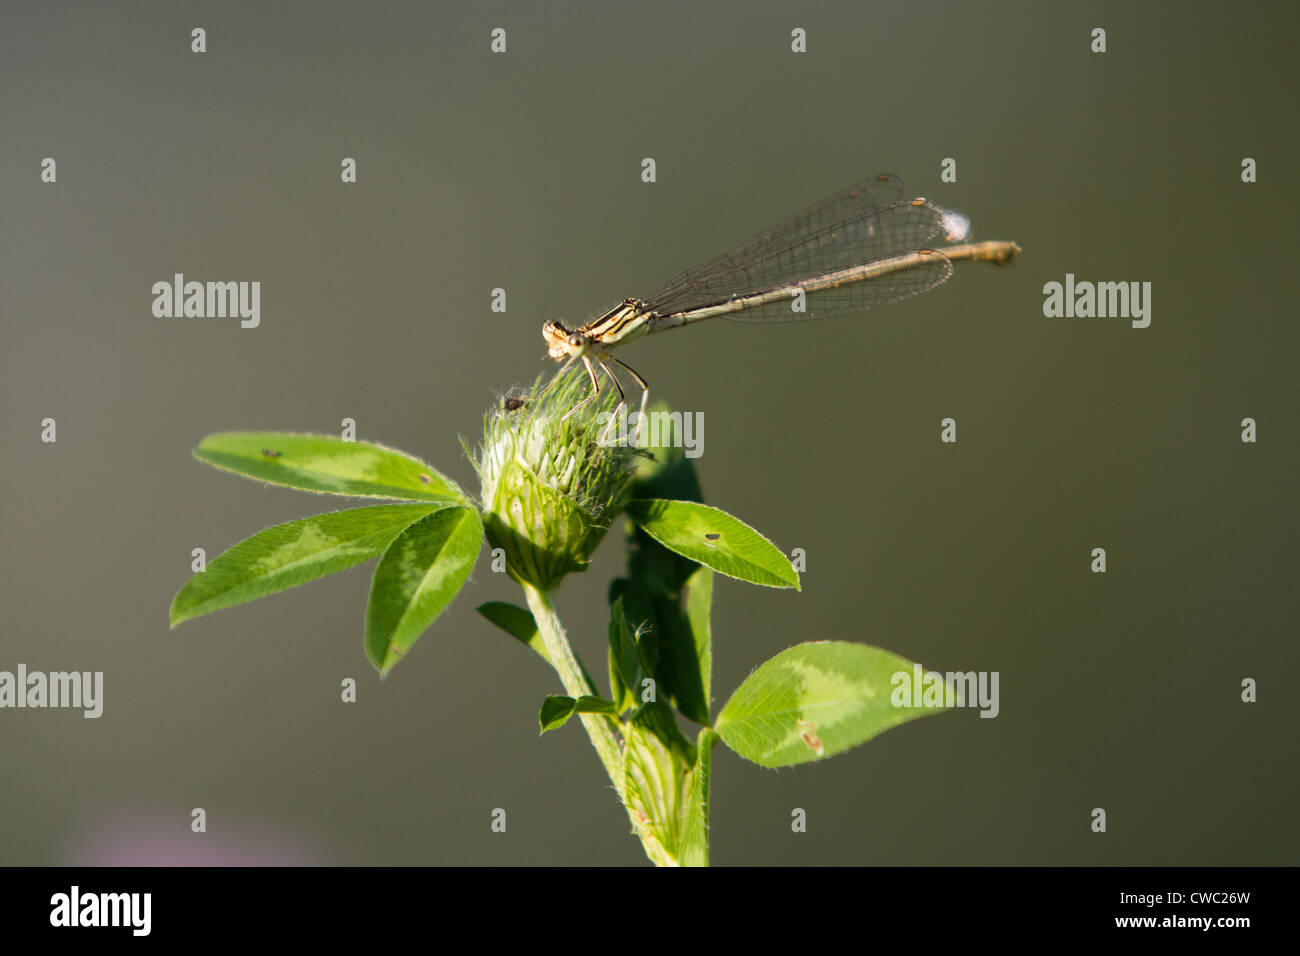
(270, 453)
(713, 536)
(808, 733)
(426, 479)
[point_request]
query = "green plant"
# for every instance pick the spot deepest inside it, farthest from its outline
(551, 486)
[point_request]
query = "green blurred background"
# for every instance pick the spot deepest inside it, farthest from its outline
(522, 171)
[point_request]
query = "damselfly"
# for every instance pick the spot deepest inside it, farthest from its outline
(860, 248)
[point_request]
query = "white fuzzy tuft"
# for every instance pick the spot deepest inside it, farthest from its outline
(956, 227)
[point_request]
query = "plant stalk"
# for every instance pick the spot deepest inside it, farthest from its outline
(600, 729)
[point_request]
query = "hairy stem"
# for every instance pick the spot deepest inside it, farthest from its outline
(599, 728)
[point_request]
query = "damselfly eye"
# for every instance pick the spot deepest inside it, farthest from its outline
(575, 341)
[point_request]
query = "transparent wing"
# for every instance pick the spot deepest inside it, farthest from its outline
(843, 205)
(862, 223)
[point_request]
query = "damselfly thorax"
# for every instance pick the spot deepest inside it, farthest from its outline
(860, 248)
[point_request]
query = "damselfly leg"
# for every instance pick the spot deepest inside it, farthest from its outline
(645, 393)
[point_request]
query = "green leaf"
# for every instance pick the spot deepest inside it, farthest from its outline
(290, 554)
(656, 792)
(668, 592)
(657, 759)
(715, 539)
(518, 623)
(625, 671)
(658, 781)
(671, 476)
(691, 659)
(328, 465)
(557, 710)
(695, 822)
(417, 577)
(816, 700)
(678, 642)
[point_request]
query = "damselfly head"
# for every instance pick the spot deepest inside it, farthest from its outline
(555, 336)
